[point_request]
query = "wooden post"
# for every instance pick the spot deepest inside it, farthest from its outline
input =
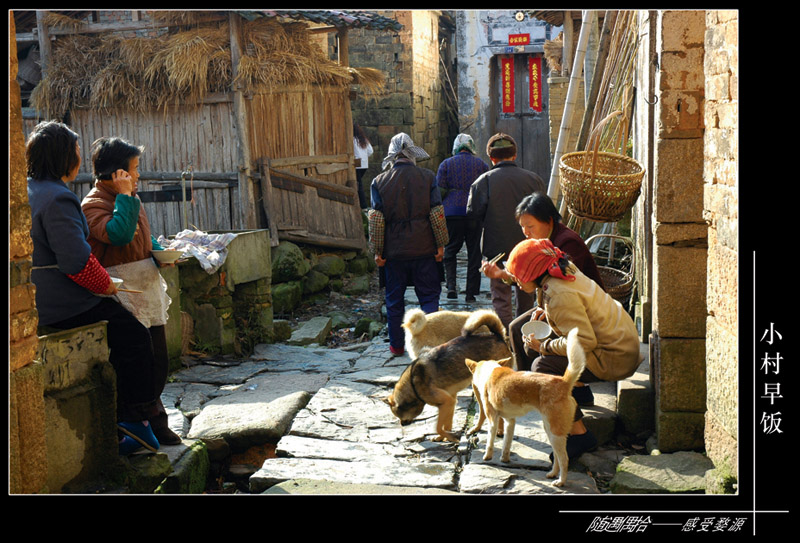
(344, 47)
(44, 41)
(554, 189)
(247, 217)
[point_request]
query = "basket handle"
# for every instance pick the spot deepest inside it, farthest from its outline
(594, 141)
(627, 241)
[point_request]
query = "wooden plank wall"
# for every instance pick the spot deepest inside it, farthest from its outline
(201, 136)
(308, 132)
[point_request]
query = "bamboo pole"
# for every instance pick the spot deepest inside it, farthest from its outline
(599, 70)
(589, 17)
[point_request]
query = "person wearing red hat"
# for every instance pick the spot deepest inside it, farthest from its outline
(571, 300)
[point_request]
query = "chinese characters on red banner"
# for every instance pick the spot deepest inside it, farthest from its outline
(519, 39)
(770, 369)
(535, 82)
(507, 81)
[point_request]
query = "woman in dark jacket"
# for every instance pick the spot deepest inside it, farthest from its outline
(73, 289)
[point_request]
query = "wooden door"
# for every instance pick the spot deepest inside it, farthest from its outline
(521, 108)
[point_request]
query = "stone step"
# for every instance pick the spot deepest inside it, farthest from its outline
(623, 406)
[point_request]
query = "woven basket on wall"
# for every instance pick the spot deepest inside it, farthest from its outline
(598, 185)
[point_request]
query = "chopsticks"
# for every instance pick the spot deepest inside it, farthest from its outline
(129, 290)
(495, 259)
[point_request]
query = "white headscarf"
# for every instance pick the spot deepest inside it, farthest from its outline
(401, 146)
(463, 142)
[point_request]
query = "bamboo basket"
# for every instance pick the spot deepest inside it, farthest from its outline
(605, 190)
(618, 283)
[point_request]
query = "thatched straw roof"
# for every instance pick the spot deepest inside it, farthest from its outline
(90, 71)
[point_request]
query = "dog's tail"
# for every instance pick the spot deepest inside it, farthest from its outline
(576, 357)
(415, 321)
(484, 317)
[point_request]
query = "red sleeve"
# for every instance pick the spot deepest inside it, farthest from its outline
(93, 276)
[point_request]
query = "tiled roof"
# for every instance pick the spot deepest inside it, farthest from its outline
(349, 18)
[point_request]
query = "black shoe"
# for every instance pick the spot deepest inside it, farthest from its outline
(452, 295)
(579, 444)
(583, 395)
(469, 298)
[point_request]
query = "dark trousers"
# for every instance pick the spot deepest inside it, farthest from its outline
(130, 354)
(362, 197)
(158, 336)
(463, 231)
(423, 275)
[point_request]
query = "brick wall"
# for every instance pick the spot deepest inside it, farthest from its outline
(721, 212)
(412, 100)
(27, 451)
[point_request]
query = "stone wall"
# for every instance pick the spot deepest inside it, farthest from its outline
(721, 117)
(679, 233)
(27, 447)
(412, 100)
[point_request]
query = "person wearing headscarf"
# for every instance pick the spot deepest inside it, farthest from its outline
(455, 177)
(570, 300)
(407, 233)
(493, 199)
(539, 219)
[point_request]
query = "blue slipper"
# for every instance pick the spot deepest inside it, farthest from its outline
(141, 432)
(128, 445)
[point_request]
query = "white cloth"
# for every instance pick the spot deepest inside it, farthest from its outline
(210, 250)
(150, 306)
(362, 154)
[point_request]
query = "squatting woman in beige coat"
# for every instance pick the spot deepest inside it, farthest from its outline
(569, 299)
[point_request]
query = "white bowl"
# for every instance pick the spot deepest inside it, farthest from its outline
(117, 281)
(539, 329)
(167, 256)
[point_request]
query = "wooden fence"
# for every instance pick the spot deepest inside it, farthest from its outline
(301, 147)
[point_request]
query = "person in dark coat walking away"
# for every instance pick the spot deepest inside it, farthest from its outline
(407, 233)
(455, 176)
(493, 199)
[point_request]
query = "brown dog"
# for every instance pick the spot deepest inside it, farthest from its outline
(503, 392)
(436, 377)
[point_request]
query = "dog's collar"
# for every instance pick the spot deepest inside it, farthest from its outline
(411, 380)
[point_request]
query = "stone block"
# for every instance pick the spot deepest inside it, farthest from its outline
(80, 408)
(314, 330)
(679, 431)
(682, 29)
(249, 258)
(678, 194)
(679, 473)
(26, 435)
(679, 291)
(679, 375)
(635, 402)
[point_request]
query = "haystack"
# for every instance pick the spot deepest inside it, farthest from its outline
(143, 73)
